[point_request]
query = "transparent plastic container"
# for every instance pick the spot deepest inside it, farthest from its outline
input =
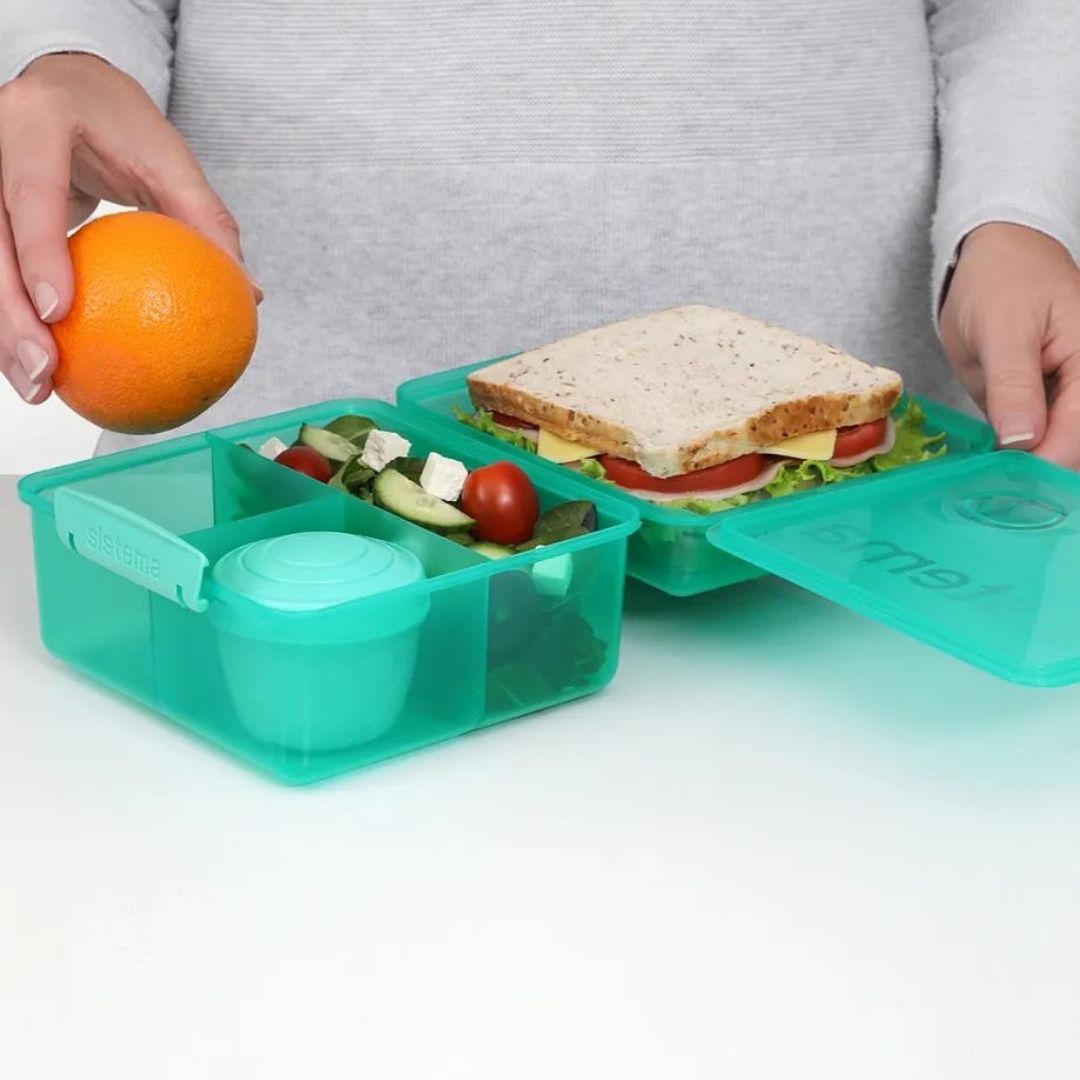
(671, 551)
(978, 558)
(126, 547)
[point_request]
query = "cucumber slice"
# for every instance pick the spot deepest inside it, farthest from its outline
(465, 539)
(401, 496)
(331, 446)
(492, 551)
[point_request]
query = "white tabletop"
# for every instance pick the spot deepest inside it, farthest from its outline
(786, 843)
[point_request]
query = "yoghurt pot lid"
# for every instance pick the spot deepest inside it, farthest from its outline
(313, 570)
(299, 589)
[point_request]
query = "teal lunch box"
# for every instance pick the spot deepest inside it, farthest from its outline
(300, 628)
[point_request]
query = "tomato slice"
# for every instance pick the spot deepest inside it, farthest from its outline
(857, 440)
(629, 474)
(503, 420)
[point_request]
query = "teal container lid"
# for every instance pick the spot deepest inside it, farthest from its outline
(978, 557)
(315, 572)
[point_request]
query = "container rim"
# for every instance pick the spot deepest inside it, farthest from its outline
(619, 520)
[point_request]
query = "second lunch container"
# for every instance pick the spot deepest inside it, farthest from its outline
(975, 553)
(671, 551)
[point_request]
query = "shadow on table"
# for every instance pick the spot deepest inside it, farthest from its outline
(874, 683)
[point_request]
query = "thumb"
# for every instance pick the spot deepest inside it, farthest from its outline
(1010, 355)
(203, 209)
(181, 190)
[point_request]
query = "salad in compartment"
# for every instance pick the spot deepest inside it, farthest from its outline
(494, 510)
(541, 641)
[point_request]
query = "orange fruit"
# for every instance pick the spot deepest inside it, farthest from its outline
(162, 325)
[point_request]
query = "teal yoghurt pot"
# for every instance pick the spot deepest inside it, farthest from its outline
(307, 669)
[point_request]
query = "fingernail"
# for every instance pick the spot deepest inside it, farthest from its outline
(1015, 430)
(25, 387)
(46, 299)
(1018, 439)
(33, 358)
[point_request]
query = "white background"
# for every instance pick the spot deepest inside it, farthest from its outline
(50, 434)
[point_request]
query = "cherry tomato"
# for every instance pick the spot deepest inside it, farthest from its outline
(629, 474)
(501, 500)
(857, 440)
(503, 420)
(307, 461)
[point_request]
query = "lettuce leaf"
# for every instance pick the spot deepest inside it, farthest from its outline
(482, 421)
(912, 446)
(592, 468)
(800, 475)
(912, 443)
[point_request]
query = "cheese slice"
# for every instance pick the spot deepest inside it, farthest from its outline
(563, 451)
(817, 446)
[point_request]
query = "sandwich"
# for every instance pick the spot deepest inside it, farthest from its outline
(701, 409)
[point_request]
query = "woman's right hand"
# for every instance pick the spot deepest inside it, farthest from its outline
(74, 130)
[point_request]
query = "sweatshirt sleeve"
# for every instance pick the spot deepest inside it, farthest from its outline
(1008, 92)
(135, 36)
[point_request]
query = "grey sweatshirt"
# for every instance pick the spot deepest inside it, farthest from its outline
(421, 183)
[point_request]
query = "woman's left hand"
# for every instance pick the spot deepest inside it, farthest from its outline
(1011, 329)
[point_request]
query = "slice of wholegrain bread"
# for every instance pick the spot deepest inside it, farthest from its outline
(686, 388)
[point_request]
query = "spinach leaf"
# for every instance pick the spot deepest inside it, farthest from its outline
(410, 467)
(354, 477)
(563, 655)
(354, 428)
(563, 522)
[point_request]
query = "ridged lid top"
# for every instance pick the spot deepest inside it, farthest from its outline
(313, 570)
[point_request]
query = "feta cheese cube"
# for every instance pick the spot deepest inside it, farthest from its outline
(272, 448)
(443, 477)
(382, 447)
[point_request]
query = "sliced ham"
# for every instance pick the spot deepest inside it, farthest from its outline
(766, 476)
(883, 447)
